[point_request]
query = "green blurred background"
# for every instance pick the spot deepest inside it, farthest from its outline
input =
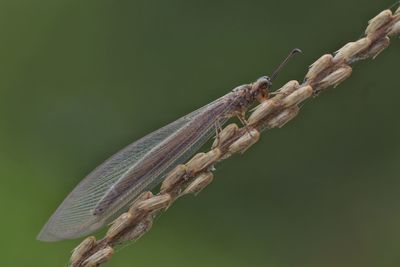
(81, 79)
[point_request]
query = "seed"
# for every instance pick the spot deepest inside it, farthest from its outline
(284, 117)
(378, 21)
(319, 66)
(99, 257)
(85, 246)
(244, 142)
(298, 96)
(199, 183)
(352, 49)
(174, 177)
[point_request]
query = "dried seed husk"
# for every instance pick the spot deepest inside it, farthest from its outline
(283, 117)
(244, 142)
(155, 203)
(85, 246)
(99, 257)
(173, 178)
(199, 183)
(378, 21)
(319, 66)
(335, 78)
(229, 131)
(203, 161)
(298, 96)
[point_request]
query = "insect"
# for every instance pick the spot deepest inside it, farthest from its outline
(104, 194)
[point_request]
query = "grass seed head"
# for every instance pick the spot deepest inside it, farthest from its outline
(155, 203)
(99, 257)
(199, 183)
(298, 96)
(335, 78)
(283, 117)
(229, 131)
(174, 177)
(378, 21)
(352, 49)
(85, 246)
(244, 142)
(319, 66)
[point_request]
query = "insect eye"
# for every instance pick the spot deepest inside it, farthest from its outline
(268, 80)
(265, 80)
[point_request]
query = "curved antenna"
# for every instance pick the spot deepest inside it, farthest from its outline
(284, 62)
(397, 3)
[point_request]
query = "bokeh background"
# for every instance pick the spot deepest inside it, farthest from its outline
(81, 79)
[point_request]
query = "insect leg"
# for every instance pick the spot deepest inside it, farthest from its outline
(218, 129)
(242, 118)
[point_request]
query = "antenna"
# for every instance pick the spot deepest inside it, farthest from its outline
(284, 62)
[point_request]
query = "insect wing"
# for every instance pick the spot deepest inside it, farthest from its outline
(75, 217)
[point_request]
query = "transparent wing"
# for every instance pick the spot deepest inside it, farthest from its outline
(138, 167)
